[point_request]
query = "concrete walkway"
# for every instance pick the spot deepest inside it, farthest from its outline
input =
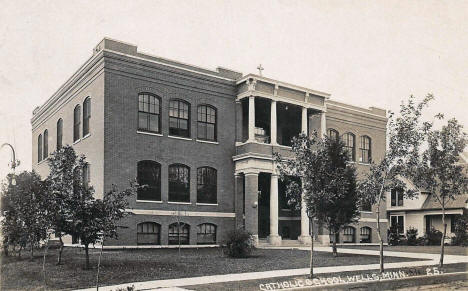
(432, 259)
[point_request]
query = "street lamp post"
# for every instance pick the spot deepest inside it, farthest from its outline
(14, 163)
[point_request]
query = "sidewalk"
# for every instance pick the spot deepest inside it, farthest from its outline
(432, 259)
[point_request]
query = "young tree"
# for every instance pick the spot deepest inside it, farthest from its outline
(326, 181)
(438, 170)
(404, 135)
(26, 216)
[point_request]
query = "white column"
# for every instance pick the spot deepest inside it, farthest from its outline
(323, 124)
(274, 238)
(251, 118)
(305, 235)
(273, 127)
(304, 120)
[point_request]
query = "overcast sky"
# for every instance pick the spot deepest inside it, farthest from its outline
(366, 53)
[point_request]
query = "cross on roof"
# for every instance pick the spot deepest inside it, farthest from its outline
(260, 69)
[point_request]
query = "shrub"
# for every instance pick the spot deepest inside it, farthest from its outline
(433, 237)
(240, 243)
(394, 238)
(412, 236)
(461, 237)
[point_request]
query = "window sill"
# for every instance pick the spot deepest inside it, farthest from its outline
(207, 141)
(207, 204)
(76, 141)
(149, 201)
(43, 160)
(365, 164)
(149, 133)
(174, 202)
(179, 137)
(365, 211)
(86, 136)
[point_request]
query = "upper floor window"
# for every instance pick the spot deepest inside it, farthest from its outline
(398, 222)
(206, 185)
(149, 179)
(86, 115)
(149, 113)
(86, 175)
(206, 123)
(350, 145)
(76, 123)
(333, 134)
(366, 154)
(46, 144)
(397, 197)
(179, 183)
(366, 206)
(179, 118)
(206, 234)
(39, 148)
(59, 133)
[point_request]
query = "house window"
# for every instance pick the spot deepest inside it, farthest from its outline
(333, 134)
(179, 183)
(76, 123)
(86, 115)
(148, 233)
(348, 234)
(397, 197)
(366, 206)
(366, 155)
(366, 234)
(86, 176)
(149, 113)
(350, 145)
(39, 148)
(149, 179)
(206, 234)
(179, 233)
(46, 144)
(453, 222)
(398, 222)
(206, 185)
(206, 123)
(179, 118)
(333, 237)
(59, 133)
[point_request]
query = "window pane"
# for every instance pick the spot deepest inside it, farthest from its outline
(142, 120)
(183, 124)
(154, 122)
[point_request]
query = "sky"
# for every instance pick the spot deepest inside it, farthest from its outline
(365, 53)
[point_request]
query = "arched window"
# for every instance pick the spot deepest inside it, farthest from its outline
(46, 144)
(179, 183)
(59, 133)
(366, 154)
(39, 148)
(206, 123)
(348, 234)
(148, 233)
(149, 113)
(179, 118)
(206, 185)
(149, 178)
(366, 233)
(350, 145)
(86, 115)
(333, 134)
(206, 234)
(76, 123)
(179, 233)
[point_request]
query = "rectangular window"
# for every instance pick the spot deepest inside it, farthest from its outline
(397, 197)
(398, 222)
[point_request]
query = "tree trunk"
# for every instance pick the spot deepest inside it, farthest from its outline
(311, 263)
(335, 237)
(442, 245)
(31, 252)
(59, 259)
(43, 262)
(19, 251)
(5, 247)
(381, 255)
(99, 265)
(87, 256)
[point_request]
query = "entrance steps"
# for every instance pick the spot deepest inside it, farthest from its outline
(287, 243)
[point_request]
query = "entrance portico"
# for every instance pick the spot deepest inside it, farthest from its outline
(271, 113)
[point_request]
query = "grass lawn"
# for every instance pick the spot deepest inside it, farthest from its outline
(449, 250)
(143, 265)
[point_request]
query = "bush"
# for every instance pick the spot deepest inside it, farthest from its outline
(461, 237)
(412, 236)
(393, 236)
(240, 243)
(433, 237)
